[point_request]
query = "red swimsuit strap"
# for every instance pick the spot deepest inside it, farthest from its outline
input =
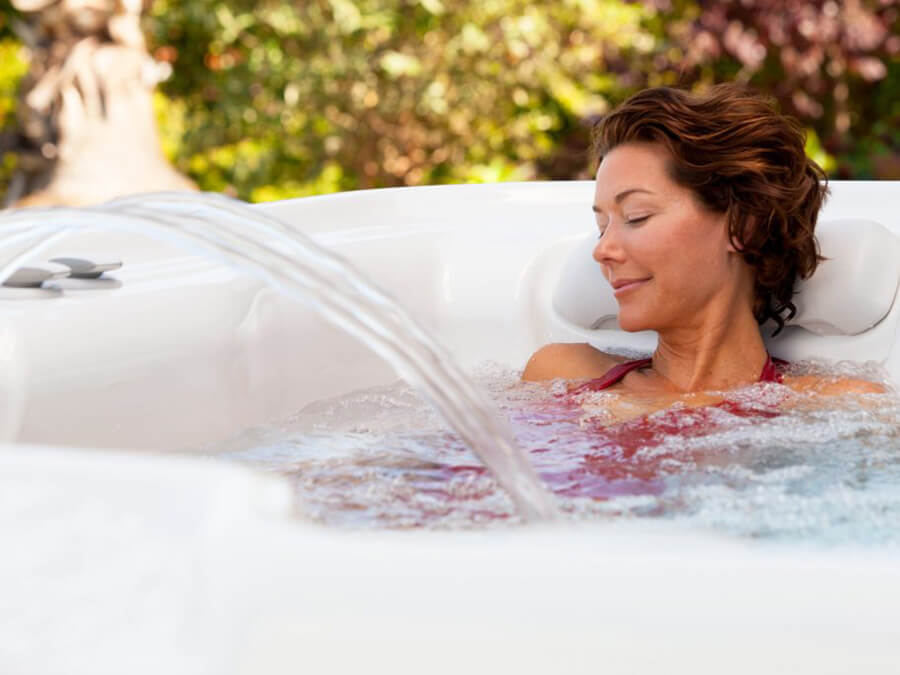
(771, 372)
(612, 376)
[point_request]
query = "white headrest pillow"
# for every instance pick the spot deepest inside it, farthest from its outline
(848, 294)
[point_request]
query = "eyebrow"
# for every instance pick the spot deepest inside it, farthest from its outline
(619, 197)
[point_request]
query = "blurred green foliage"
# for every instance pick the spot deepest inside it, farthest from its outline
(13, 66)
(272, 99)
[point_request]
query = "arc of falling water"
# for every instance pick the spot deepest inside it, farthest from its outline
(340, 296)
(459, 416)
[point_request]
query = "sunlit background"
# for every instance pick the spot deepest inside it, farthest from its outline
(269, 100)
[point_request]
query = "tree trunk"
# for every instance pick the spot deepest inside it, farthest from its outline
(87, 127)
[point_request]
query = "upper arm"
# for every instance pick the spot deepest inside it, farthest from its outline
(846, 385)
(568, 361)
(853, 386)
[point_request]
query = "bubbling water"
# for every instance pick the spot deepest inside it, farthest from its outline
(768, 463)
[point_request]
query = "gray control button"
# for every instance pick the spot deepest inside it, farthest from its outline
(82, 268)
(33, 276)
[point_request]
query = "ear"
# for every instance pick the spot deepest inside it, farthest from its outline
(733, 246)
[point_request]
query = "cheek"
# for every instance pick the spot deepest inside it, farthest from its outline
(660, 254)
(702, 279)
(687, 263)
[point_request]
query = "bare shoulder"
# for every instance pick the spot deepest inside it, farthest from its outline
(569, 361)
(833, 387)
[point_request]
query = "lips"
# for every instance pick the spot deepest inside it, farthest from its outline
(621, 286)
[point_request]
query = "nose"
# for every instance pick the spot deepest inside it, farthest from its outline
(608, 249)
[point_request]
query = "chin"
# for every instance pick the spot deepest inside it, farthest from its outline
(632, 322)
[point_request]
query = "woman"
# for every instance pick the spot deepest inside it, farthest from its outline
(706, 207)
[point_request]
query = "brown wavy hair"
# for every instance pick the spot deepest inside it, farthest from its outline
(741, 157)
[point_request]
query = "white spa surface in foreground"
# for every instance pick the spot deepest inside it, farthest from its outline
(117, 558)
(172, 565)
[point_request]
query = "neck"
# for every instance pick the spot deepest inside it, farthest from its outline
(716, 353)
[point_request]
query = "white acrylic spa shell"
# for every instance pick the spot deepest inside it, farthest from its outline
(133, 561)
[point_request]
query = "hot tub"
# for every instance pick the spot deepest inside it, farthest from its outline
(123, 552)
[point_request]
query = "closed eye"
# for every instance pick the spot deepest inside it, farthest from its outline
(633, 221)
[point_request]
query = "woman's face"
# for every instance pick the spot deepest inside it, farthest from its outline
(667, 257)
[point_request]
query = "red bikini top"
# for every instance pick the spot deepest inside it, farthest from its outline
(770, 373)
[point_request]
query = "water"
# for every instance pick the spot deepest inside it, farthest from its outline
(230, 232)
(769, 464)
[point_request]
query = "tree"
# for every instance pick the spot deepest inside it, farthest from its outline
(281, 99)
(834, 65)
(270, 99)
